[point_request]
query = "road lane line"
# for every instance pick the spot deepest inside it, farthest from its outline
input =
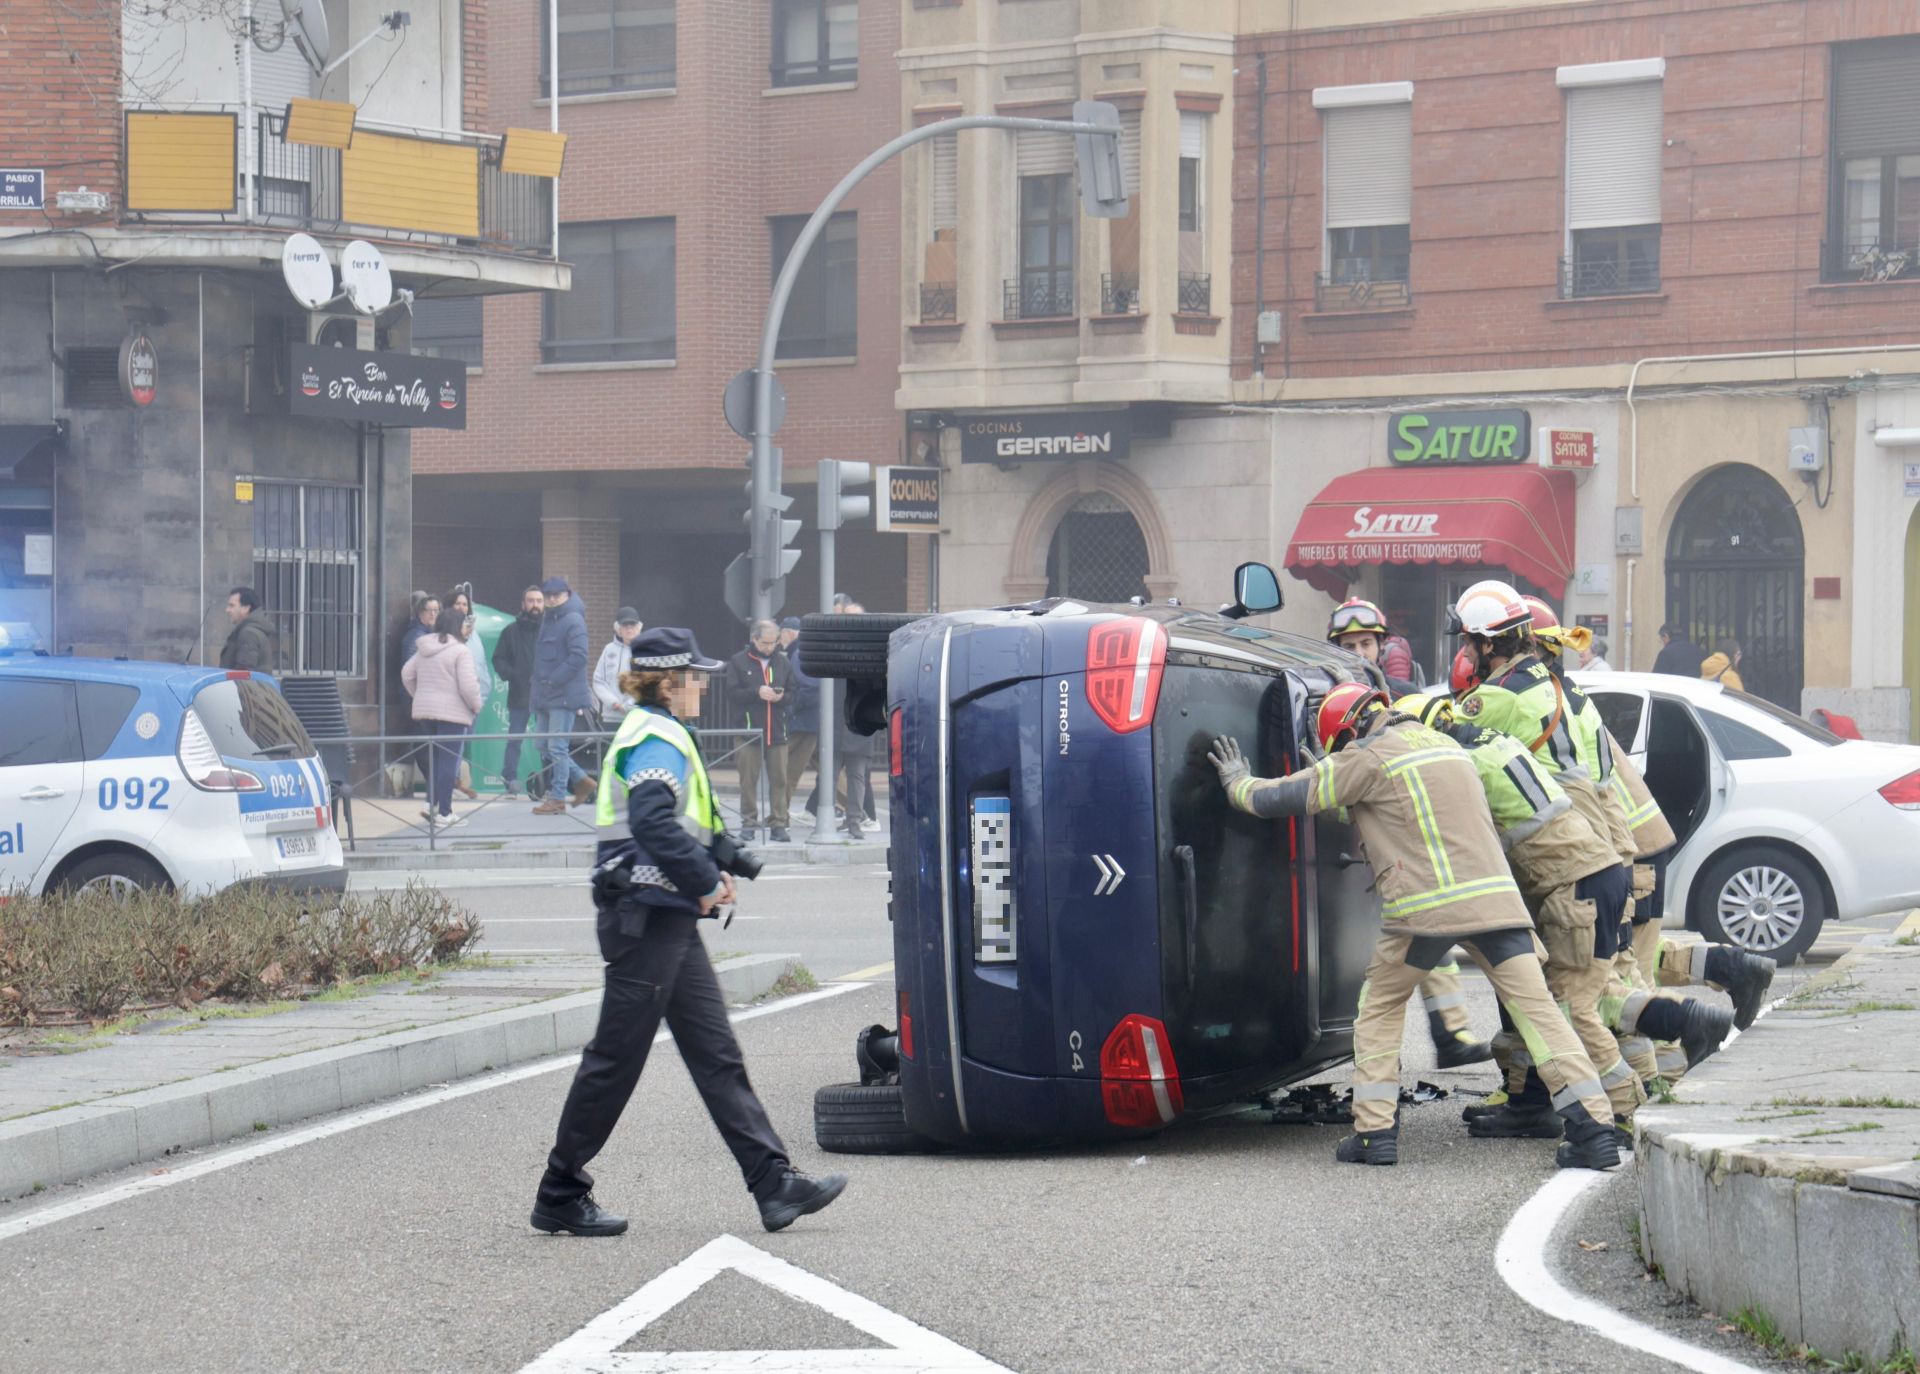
(338, 1125)
(866, 974)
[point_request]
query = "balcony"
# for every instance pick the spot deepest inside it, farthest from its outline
(1196, 293)
(420, 186)
(939, 302)
(1349, 287)
(1120, 293)
(1612, 262)
(1039, 296)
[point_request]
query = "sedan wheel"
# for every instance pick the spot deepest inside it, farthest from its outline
(1764, 900)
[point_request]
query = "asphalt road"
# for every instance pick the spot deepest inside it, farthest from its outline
(402, 1244)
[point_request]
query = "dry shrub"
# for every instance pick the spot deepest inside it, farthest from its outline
(94, 954)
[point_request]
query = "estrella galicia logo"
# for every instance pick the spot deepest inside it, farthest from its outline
(449, 398)
(309, 382)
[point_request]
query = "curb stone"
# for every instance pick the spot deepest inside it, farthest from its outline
(73, 1143)
(581, 857)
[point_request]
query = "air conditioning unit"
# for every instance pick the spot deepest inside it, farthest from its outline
(340, 331)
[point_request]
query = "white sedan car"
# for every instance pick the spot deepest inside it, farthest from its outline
(1782, 824)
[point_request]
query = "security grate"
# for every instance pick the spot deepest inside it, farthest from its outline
(93, 378)
(1098, 553)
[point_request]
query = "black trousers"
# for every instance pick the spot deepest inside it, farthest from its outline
(664, 974)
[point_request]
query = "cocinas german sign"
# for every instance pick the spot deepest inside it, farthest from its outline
(1459, 436)
(1022, 436)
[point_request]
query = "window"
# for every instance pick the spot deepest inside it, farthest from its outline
(249, 720)
(611, 45)
(37, 723)
(815, 41)
(1620, 712)
(1614, 150)
(621, 308)
(449, 328)
(939, 271)
(1739, 741)
(308, 550)
(1369, 195)
(1876, 160)
(1120, 284)
(104, 708)
(1781, 716)
(823, 311)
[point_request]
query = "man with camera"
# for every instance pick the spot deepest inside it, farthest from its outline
(665, 862)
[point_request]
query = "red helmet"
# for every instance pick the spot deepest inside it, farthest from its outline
(1343, 710)
(1465, 674)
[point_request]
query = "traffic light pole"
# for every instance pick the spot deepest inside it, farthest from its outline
(829, 718)
(765, 551)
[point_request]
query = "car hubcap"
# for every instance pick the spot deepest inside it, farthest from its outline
(118, 884)
(1762, 909)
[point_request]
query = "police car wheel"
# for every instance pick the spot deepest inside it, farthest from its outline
(117, 873)
(848, 646)
(865, 1119)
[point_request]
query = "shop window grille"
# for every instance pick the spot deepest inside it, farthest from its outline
(1099, 553)
(308, 560)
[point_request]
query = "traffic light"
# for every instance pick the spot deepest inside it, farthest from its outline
(835, 477)
(1103, 186)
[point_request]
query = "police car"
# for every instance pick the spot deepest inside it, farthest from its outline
(135, 775)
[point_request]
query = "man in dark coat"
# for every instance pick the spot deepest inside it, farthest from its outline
(758, 678)
(560, 692)
(1678, 655)
(254, 643)
(513, 655)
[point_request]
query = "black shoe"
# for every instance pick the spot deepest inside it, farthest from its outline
(797, 1196)
(1603, 1152)
(1705, 1030)
(581, 1217)
(779, 837)
(1746, 977)
(1517, 1122)
(1460, 1049)
(1375, 1147)
(1496, 1101)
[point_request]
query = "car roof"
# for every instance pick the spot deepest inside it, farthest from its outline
(185, 678)
(1695, 689)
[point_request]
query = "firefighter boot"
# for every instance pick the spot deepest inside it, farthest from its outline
(1746, 977)
(1704, 1031)
(1496, 1101)
(1371, 1147)
(1530, 1116)
(1455, 1049)
(1589, 1144)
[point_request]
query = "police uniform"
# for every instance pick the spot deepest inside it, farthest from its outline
(1415, 797)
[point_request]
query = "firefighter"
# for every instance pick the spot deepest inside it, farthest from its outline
(1415, 798)
(1359, 627)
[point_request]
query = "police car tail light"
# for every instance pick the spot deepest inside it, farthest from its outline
(1139, 1082)
(1125, 659)
(1904, 792)
(204, 767)
(896, 723)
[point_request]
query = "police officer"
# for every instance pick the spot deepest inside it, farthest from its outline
(656, 878)
(1416, 800)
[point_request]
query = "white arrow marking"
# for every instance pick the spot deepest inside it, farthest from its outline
(1111, 875)
(911, 1347)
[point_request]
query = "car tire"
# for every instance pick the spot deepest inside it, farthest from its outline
(848, 646)
(1763, 899)
(865, 1119)
(124, 872)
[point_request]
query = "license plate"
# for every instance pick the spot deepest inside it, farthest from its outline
(297, 846)
(994, 913)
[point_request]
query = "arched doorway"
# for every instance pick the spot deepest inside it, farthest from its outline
(1735, 566)
(1099, 552)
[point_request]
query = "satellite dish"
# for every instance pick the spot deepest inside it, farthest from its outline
(306, 20)
(364, 275)
(303, 262)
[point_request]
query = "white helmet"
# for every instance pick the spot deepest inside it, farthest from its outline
(1489, 608)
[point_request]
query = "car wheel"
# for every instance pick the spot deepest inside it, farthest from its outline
(1764, 900)
(120, 874)
(865, 1119)
(848, 646)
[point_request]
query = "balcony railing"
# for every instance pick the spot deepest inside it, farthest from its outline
(1196, 293)
(473, 204)
(1119, 293)
(939, 302)
(1866, 260)
(1344, 289)
(1607, 275)
(1039, 296)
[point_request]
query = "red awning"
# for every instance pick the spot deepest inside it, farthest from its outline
(1519, 518)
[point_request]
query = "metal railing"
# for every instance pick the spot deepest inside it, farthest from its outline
(1344, 289)
(1039, 296)
(1609, 276)
(1196, 293)
(939, 302)
(1867, 260)
(1120, 293)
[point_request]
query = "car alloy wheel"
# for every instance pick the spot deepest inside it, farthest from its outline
(116, 884)
(1762, 908)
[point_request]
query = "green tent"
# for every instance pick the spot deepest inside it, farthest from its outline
(486, 757)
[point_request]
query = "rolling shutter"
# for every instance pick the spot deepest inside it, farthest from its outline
(1613, 155)
(943, 195)
(1876, 99)
(279, 77)
(1130, 151)
(1040, 154)
(1193, 134)
(1369, 153)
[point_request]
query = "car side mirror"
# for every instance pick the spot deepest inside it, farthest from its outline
(1256, 591)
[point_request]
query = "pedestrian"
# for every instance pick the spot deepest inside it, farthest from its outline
(803, 711)
(253, 645)
(609, 702)
(1415, 798)
(1719, 666)
(1593, 658)
(461, 599)
(426, 615)
(1678, 656)
(513, 655)
(446, 697)
(656, 878)
(560, 693)
(758, 677)
(853, 755)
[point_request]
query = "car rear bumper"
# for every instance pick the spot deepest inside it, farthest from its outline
(303, 881)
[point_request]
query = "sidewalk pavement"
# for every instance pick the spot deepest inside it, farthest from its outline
(1786, 1178)
(187, 1083)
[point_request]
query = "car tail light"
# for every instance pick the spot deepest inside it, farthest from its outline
(896, 764)
(1125, 659)
(204, 767)
(1139, 1083)
(906, 1027)
(1904, 792)
(238, 675)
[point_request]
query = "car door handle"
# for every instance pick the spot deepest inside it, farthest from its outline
(42, 793)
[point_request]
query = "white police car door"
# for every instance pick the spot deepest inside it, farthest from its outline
(40, 773)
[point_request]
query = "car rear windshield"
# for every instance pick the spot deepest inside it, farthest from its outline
(248, 719)
(1799, 724)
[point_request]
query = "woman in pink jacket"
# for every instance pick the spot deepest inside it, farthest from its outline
(446, 698)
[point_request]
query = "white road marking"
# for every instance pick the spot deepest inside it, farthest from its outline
(913, 1349)
(337, 1125)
